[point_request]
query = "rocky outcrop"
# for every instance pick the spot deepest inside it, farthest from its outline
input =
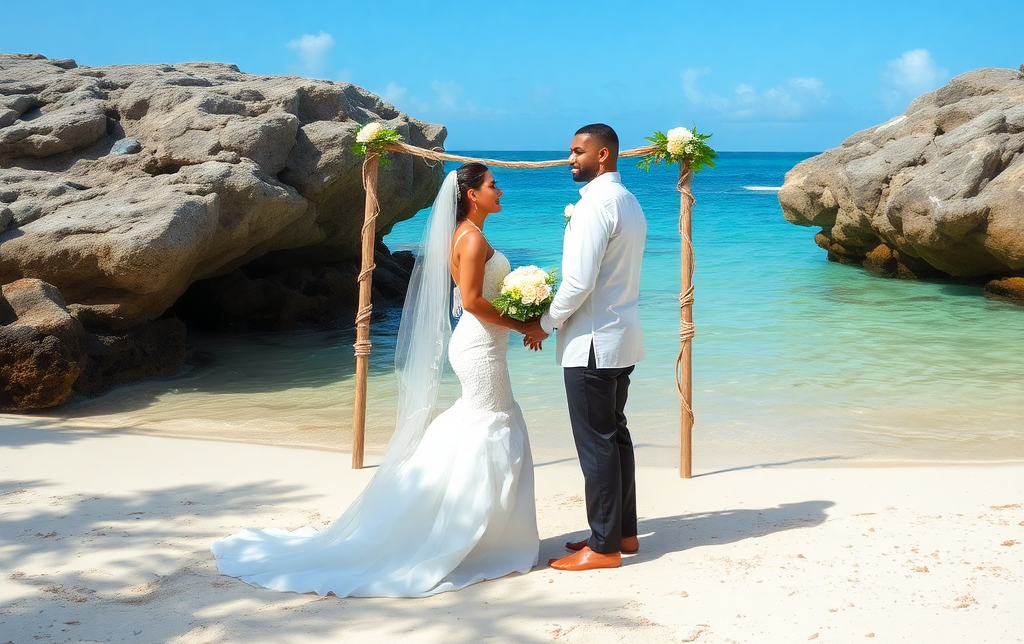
(938, 191)
(41, 344)
(48, 355)
(1007, 288)
(124, 186)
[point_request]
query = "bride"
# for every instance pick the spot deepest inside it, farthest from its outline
(451, 503)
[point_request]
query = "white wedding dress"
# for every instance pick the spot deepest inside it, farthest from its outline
(460, 509)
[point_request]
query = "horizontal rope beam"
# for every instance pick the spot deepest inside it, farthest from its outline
(441, 155)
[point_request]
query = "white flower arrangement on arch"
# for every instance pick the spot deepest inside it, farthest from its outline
(374, 136)
(678, 145)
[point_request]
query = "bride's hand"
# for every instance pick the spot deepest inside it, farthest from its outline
(534, 335)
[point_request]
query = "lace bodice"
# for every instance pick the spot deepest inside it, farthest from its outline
(495, 270)
(477, 349)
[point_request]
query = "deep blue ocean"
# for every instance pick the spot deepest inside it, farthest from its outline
(796, 359)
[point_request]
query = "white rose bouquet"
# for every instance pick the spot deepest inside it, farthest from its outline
(526, 293)
(374, 136)
(680, 144)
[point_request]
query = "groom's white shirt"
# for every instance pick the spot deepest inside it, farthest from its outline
(596, 304)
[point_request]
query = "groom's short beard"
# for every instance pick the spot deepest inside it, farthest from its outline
(585, 175)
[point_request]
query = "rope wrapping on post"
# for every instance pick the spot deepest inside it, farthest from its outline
(687, 331)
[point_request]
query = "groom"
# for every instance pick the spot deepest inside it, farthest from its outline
(599, 341)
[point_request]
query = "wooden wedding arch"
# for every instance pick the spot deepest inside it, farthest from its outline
(684, 380)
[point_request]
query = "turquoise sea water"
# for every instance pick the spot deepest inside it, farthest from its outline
(795, 359)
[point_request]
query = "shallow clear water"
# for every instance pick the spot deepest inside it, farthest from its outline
(795, 359)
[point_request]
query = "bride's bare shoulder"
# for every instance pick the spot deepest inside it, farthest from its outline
(468, 241)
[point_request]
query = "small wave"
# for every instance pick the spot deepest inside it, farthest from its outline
(763, 188)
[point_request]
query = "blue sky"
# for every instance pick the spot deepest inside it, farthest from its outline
(793, 76)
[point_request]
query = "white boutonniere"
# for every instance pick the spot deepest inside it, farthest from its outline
(568, 213)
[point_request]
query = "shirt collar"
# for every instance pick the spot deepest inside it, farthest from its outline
(607, 177)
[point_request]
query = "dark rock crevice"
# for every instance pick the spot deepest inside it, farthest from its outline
(280, 292)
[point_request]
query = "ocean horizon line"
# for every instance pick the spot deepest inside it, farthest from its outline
(467, 151)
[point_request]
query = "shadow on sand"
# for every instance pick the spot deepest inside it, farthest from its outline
(663, 535)
(160, 583)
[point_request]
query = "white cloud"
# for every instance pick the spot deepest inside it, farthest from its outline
(393, 93)
(914, 69)
(442, 101)
(313, 52)
(447, 94)
(693, 93)
(797, 98)
(912, 74)
(446, 100)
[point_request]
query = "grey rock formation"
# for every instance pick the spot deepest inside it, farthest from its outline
(121, 187)
(938, 191)
(232, 167)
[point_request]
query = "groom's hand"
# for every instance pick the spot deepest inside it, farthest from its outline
(534, 336)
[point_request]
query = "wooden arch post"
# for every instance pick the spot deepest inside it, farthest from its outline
(684, 362)
(362, 345)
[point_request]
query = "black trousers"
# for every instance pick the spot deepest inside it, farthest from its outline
(597, 403)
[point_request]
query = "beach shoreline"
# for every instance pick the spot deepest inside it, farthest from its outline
(338, 441)
(107, 534)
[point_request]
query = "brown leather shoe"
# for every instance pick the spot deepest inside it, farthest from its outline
(586, 559)
(628, 545)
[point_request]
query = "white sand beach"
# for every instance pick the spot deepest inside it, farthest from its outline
(105, 538)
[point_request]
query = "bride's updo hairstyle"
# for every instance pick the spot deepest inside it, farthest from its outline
(470, 177)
